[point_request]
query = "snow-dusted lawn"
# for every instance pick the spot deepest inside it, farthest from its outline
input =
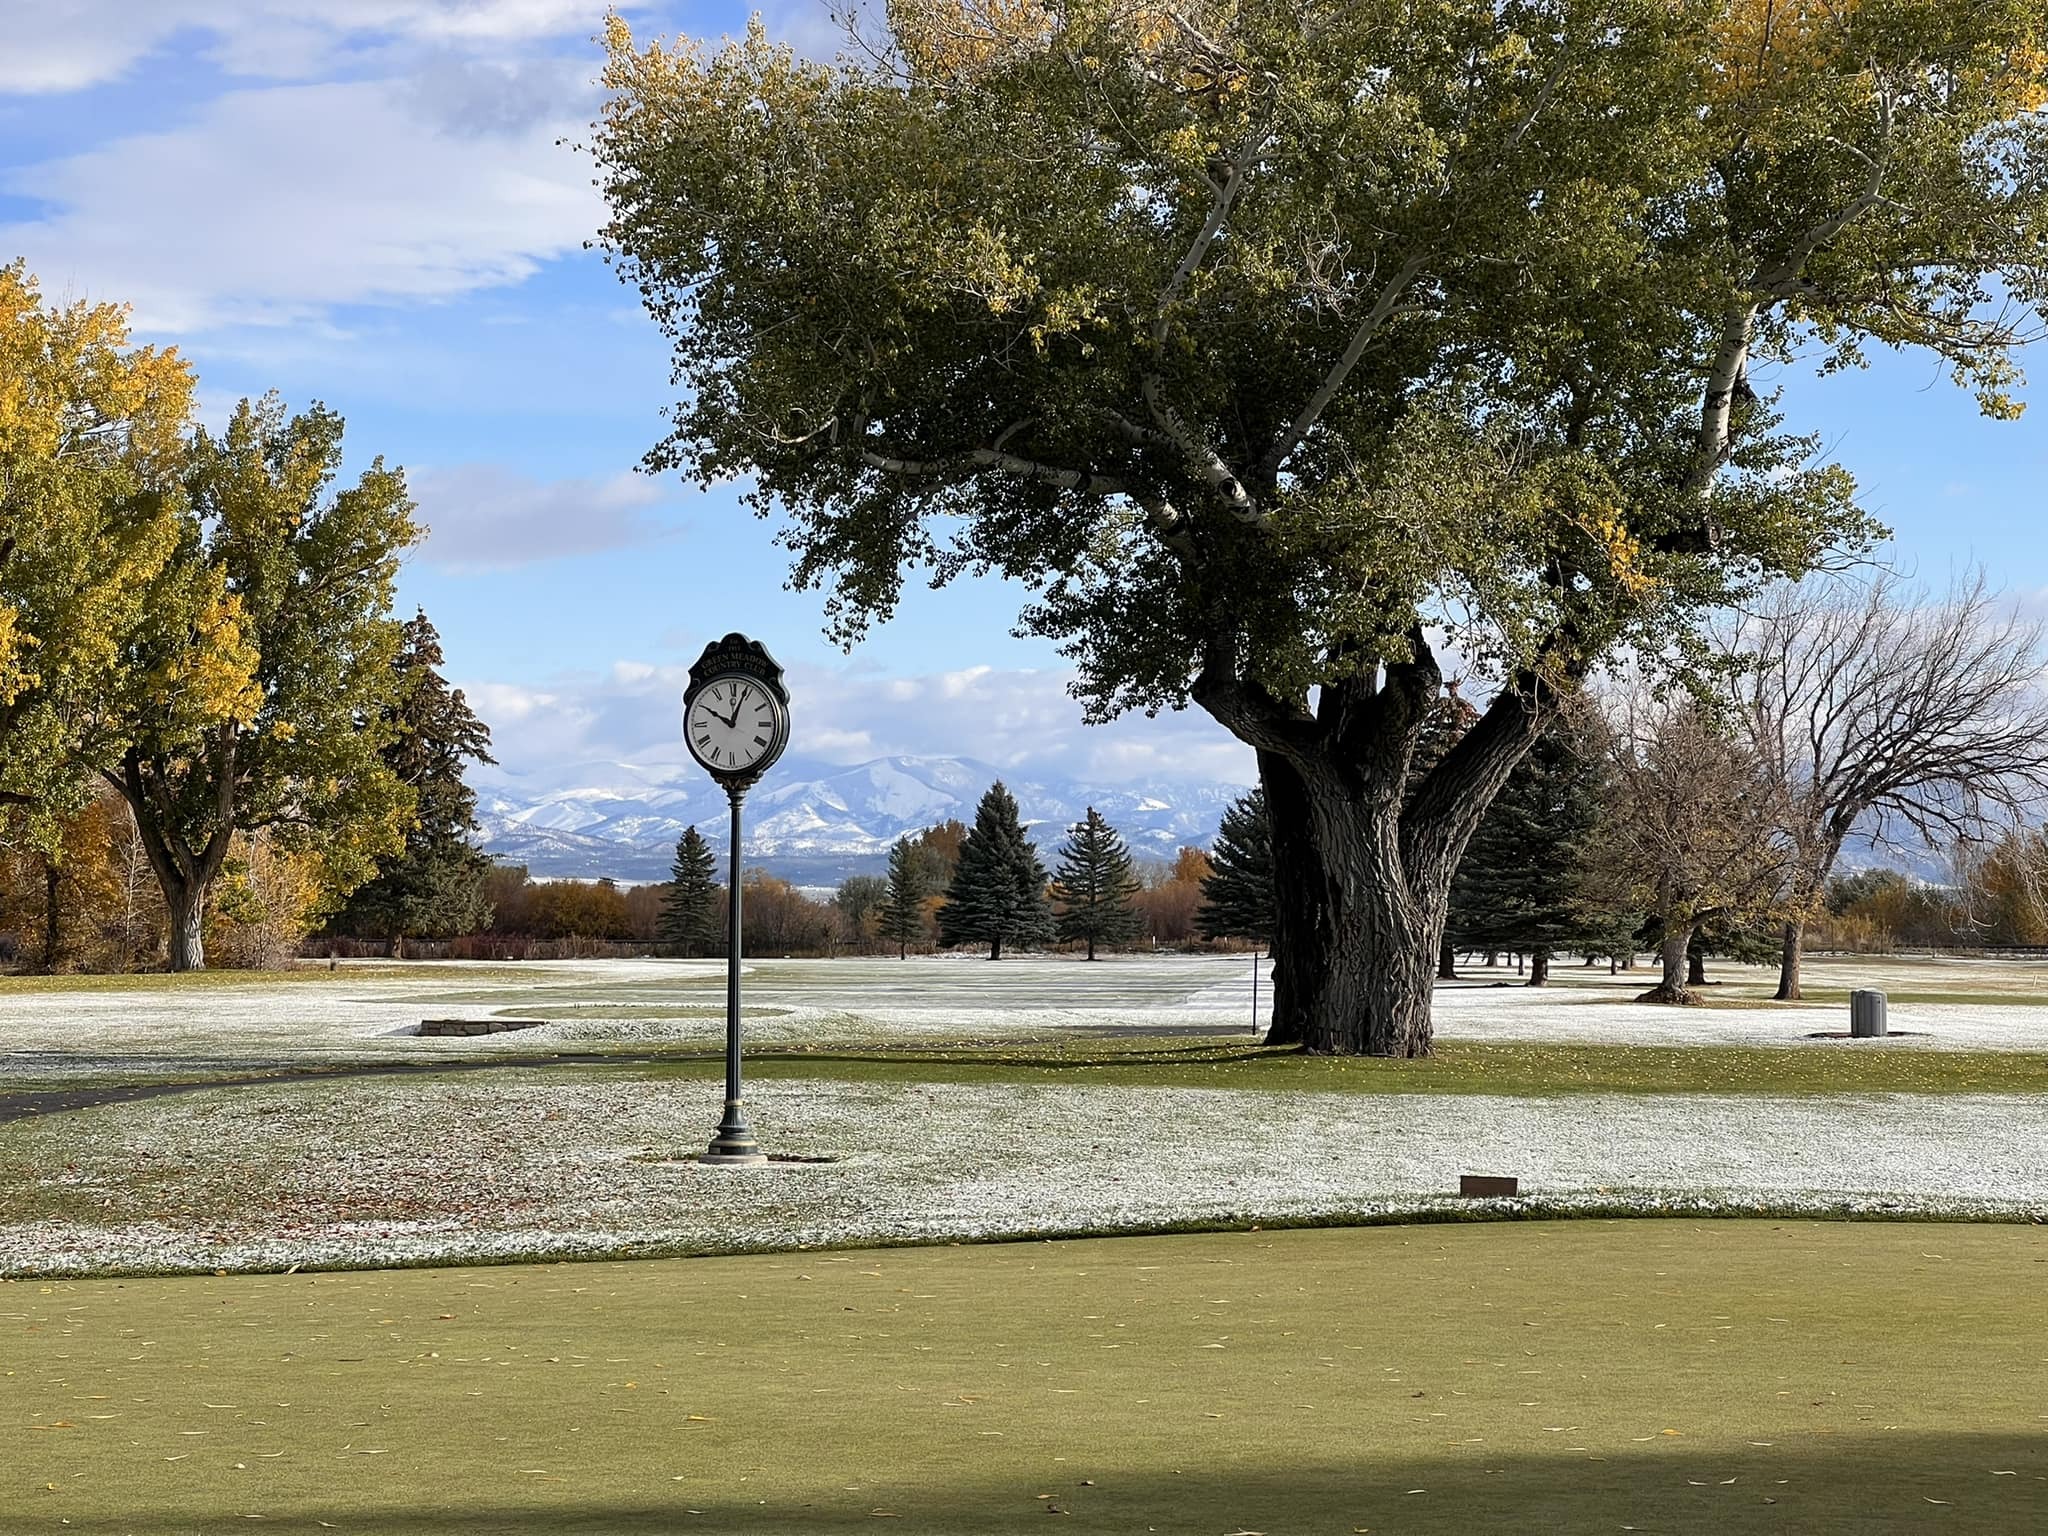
(361, 1014)
(380, 1172)
(398, 1169)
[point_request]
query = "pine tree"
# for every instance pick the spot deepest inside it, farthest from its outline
(998, 890)
(1094, 885)
(433, 887)
(1520, 885)
(1238, 895)
(903, 907)
(689, 921)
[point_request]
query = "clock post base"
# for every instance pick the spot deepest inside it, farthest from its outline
(733, 1144)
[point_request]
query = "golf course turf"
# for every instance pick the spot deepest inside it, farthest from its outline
(1660, 1376)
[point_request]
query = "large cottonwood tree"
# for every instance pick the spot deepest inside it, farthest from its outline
(308, 570)
(1273, 341)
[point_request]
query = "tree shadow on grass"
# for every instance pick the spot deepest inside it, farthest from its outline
(1815, 1486)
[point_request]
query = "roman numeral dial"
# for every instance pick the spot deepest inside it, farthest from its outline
(734, 724)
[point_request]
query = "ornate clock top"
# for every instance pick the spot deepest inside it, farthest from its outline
(736, 712)
(736, 653)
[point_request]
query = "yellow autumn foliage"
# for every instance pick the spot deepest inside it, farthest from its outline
(92, 439)
(1779, 48)
(954, 39)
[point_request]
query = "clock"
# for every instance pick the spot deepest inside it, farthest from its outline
(735, 726)
(736, 711)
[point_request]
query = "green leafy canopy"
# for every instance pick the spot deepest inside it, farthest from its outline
(1253, 335)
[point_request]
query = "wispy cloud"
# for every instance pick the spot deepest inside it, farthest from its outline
(483, 517)
(275, 205)
(68, 45)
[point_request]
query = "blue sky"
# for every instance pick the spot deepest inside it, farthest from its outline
(364, 201)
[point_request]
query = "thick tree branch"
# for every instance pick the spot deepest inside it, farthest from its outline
(1223, 481)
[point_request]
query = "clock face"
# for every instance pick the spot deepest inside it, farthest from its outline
(733, 724)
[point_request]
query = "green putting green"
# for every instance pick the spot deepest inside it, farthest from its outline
(1527, 1377)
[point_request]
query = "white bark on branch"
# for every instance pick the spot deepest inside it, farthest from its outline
(1222, 479)
(1715, 441)
(1383, 308)
(1212, 226)
(1082, 482)
(1783, 279)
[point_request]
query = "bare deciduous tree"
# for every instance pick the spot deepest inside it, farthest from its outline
(1695, 829)
(1873, 708)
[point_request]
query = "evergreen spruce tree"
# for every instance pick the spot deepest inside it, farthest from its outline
(1094, 885)
(1238, 895)
(433, 887)
(998, 889)
(903, 906)
(689, 919)
(1520, 885)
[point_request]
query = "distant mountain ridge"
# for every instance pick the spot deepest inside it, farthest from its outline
(809, 822)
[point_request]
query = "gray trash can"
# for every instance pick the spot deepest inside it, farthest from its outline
(1867, 1015)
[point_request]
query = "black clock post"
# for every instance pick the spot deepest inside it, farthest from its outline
(736, 723)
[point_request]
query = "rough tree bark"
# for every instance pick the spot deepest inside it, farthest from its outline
(183, 872)
(1362, 862)
(1788, 963)
(187, 906)
(1539, 968)
(1674, 952)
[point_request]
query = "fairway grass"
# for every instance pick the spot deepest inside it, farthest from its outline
(1517, 1069)
(1591, 1376)
(1514, 1068)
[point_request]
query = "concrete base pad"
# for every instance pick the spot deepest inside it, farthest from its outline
(733, 1159)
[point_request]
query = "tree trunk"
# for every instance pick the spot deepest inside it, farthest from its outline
(1695, 966)
(53, 915)
(1091, 946)
(1539, 967)
(1446, 961)
(1359, 928)
(1363, 848)
(187, 909)
(995, 947)
(1788, 962)
(1299, 944)
(1672, 989)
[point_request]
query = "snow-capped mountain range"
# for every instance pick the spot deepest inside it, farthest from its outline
(809, 822)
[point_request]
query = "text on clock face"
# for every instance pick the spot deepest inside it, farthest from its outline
(731, 724)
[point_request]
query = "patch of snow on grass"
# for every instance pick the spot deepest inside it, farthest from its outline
(376, 1171)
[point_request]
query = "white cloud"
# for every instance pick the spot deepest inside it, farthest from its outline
(66, 45)
(482, 517)
(275, 204)
(1020, 721)
(397, 152)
